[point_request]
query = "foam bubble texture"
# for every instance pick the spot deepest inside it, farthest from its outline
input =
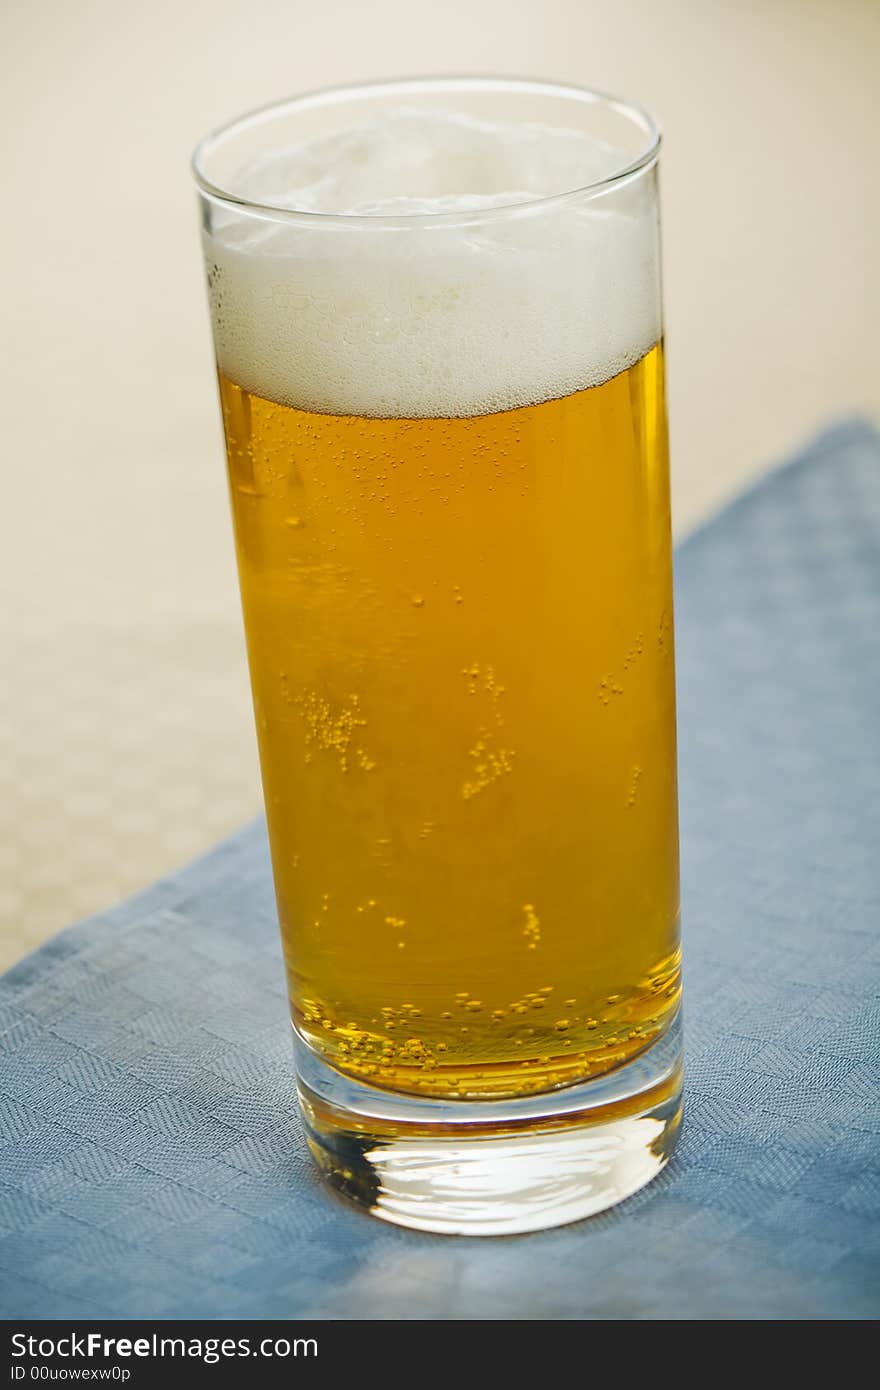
(424, 318)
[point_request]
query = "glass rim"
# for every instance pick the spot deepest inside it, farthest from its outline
(345, 92)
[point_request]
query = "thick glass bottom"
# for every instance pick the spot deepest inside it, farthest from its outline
(495, 1167)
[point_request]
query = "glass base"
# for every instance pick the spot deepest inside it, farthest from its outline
(496, 1167)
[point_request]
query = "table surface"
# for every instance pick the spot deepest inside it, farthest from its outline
(126, 742)
(151, 1161)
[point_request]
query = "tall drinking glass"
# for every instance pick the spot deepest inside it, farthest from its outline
(437, 320)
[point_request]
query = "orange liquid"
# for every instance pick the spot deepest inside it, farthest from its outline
(460, 642)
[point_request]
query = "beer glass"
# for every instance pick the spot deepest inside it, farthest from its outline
(437, 320)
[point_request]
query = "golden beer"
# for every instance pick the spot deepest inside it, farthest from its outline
(460, 643)
(438, 330)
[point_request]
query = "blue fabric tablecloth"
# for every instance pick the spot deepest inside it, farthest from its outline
(151, 1162)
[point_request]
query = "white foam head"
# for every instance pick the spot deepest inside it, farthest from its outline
(427, 317)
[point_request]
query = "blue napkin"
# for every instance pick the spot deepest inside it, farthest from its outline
(151, 1160)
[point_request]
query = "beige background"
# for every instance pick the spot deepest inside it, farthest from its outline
(125, 730)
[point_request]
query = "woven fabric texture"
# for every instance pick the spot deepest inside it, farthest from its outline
(151, 1161)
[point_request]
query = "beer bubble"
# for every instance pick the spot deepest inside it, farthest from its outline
(635, 779)
(532, 927)
(330, 728)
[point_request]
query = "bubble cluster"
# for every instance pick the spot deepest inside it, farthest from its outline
(634, 783)
(422, 1048)
(532, 928)
(490, 759)
(331, 728)
(610, 685)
